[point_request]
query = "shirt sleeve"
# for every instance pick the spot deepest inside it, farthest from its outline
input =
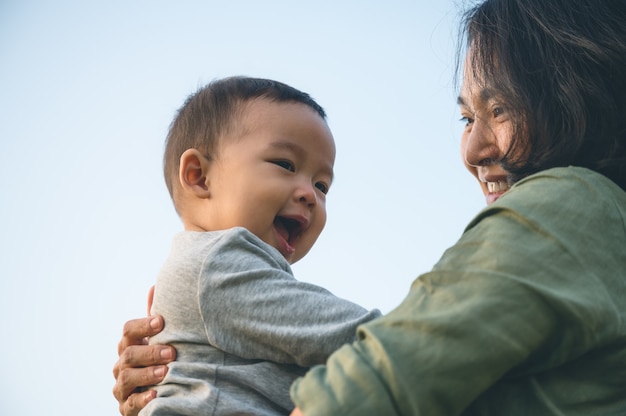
(253, 307)
(511, 298)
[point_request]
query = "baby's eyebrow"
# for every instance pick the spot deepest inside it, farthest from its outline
(282, 144)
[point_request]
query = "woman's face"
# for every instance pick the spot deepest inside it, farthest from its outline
(486, 137)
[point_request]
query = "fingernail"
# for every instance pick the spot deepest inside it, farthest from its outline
(154, 323)
(159, 371)
(148, 396)
(166, 354)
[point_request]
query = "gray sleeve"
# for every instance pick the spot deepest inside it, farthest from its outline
(253, 307)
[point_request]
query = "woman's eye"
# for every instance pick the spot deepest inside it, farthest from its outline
(466, 120)
(498, 111)
(285, 164)
(322, 187)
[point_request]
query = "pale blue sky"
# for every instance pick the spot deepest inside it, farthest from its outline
(87, 90)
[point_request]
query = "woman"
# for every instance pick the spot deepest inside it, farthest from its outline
(526, 313)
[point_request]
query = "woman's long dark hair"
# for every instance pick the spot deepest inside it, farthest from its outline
(560, 67)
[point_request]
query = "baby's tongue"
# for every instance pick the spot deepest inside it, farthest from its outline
(281, 229)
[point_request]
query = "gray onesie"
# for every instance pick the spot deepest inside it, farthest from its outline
(243, 327)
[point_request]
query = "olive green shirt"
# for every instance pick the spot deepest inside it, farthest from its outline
(525, 315)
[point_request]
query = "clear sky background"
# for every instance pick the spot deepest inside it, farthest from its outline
(87, 91)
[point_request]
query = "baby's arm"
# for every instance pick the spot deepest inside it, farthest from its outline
(253, 307)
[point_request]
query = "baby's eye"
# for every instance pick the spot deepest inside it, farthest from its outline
(285, 164)
(322, 187)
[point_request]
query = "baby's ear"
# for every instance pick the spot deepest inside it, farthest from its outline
(193, 173)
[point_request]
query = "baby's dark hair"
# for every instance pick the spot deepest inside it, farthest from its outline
(212, 112)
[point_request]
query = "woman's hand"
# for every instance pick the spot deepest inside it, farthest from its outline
(140, 365)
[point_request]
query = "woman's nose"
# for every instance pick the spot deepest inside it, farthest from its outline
(479, 145)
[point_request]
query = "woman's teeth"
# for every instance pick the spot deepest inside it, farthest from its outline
(499, 186)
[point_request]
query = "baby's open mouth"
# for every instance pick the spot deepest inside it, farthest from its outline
(288, 228)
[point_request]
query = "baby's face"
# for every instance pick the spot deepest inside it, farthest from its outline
(273, 178)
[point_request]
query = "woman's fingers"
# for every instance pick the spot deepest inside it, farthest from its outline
(135, 356)
(137, 331)
(135, 402)
(130, 380)
(139, 365)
